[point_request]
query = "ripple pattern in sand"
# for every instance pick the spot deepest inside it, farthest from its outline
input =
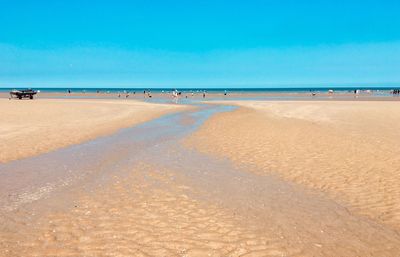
(352, 153)
(144, 214)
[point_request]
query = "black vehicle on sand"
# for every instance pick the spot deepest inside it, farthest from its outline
(25, 93)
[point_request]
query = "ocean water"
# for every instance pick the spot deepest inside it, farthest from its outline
(209, 90)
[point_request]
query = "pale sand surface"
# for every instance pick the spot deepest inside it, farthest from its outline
(149, 212)
(349, 150)
(32, 127)
(143, 213)
(166, 200)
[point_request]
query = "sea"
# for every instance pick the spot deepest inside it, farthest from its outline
(208, 90)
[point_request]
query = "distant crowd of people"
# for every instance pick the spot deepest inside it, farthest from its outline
(147, 93)
(177, 94)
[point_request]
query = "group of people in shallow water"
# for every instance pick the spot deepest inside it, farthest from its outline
(147, 93)
(176, 94)
(396, 92)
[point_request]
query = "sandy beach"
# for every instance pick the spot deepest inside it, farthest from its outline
(298, 178)
(348, 150)
(146, 213)
(29, 128)
(153, 211)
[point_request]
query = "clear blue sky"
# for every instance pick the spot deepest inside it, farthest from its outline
(198, 43)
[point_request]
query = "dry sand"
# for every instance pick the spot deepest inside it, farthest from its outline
(349, 150)
(32, 127)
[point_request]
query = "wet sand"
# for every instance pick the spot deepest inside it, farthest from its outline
(153, 211)
(139, 192)
(348, 150)
(29, 128)
(145, 213)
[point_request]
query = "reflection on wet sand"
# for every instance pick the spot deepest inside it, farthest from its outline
(147, 212)
(144, 214)
(141, 193)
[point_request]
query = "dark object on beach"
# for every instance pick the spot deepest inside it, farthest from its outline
(27, 93)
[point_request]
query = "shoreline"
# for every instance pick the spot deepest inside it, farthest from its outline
(198, 96)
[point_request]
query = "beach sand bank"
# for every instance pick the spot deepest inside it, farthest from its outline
(139, 192)
(144, 213)
(348, 150)
(29, 128)
(151, 211)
